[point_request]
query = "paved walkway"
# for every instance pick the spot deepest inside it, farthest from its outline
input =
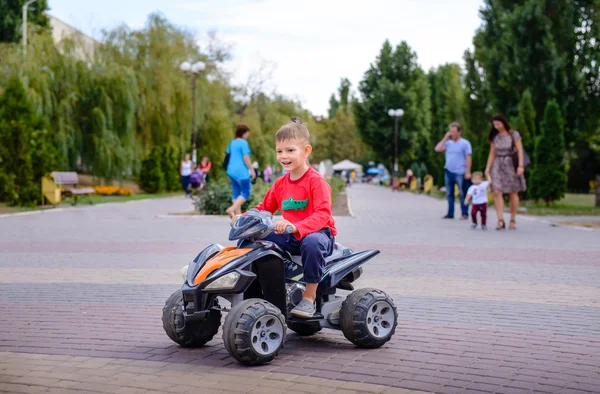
(81, 292)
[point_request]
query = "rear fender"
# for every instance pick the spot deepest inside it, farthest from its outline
(336, 272)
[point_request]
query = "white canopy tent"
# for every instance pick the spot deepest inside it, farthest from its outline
(347, 165)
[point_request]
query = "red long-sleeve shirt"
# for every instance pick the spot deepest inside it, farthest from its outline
(305, 202)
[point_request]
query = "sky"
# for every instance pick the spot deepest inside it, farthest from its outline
(308, 45)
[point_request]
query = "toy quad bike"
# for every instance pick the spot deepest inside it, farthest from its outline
(263, 284)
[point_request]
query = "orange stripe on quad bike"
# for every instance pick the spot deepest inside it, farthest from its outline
(219, 260)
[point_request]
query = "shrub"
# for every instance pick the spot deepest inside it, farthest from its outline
(549, 178)
(216, 197)
(337, 184)
(152, 179)
(26, 146)
(170, 168)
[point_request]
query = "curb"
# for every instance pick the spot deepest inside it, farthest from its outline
(34, 212)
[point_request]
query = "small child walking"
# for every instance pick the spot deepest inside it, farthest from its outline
(478, 191)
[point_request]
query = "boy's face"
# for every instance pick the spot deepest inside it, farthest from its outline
(292, 153)
(477, 179)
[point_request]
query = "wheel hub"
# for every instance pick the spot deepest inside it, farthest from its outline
(267, 335)
(380, 319)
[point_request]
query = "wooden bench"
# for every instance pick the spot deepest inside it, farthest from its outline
(71, 179)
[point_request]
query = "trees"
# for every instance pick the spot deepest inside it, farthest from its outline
(526, 121)
(447, 106)
(551, 49)
(394, 80)
(476, 110)
(549, 180)
(26, 147)
(11, 18)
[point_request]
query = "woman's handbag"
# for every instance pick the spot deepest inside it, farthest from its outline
(515, 155)
(227, 155)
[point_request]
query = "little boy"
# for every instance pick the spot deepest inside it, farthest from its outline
(304, 198)
(478, 190)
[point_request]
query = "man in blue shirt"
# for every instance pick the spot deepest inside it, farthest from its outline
(458, 167)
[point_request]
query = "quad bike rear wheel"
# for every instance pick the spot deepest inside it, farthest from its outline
(192, 334)
(304, 329)
(368, 318)
(254, 332)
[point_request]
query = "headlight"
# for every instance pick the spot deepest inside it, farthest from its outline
(225, 282)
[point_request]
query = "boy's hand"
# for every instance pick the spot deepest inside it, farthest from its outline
(282, 224)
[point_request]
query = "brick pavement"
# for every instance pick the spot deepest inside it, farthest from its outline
(479, 311)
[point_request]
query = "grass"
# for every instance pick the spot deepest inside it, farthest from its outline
(95, 199)
(570, 205)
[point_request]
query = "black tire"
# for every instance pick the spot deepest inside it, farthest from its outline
(238, 327)
(304, 329)
(354, 318)
(194, 334)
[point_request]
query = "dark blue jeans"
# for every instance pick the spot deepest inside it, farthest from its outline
(455, 179)
(313, 248)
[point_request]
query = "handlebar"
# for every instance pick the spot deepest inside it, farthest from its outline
(289, 229)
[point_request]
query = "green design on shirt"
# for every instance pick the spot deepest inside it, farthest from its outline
(291, 204)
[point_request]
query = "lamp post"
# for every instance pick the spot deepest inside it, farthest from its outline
(396, 114)
(193, 69)
(25, 6)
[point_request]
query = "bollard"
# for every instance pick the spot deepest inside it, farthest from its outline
(598, 190)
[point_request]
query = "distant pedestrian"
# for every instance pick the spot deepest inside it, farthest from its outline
(347, 175)
(205, 166)
(457, 168)
(185, 170)
(268, 173)
(478, 191)
(239, 169)
(505, 175)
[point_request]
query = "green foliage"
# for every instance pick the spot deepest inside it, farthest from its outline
(170, 168)
(476, 111)
(549, 178)
(11, 18)
(337, 139)
(551, 49)
(337, 184)
(394, 80)
(447, 104)
(526, 121)
(152, 178)
(216, 197)
(26, 149)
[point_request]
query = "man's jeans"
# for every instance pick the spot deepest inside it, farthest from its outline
(451, 180)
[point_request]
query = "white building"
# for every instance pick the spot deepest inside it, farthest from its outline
(85, 45)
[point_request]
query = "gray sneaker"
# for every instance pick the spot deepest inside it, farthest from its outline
(304, 310)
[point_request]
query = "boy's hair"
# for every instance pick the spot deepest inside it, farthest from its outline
(294, 129)
(240, 130)
(477, 173)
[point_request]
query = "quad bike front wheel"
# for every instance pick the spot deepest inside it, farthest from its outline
(254, 332)
(368, 318)
(193, 334)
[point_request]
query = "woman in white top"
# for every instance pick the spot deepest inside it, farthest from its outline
(185, 169)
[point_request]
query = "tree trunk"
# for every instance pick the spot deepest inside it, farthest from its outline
(598, 190)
